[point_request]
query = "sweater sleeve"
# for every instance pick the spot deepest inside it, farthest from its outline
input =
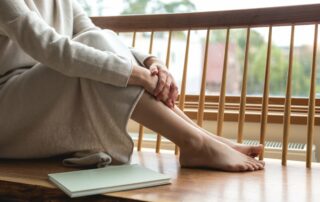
(83, 23)
(59, 52)
(140, 56)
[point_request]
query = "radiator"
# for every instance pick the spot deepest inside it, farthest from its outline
(296, 151)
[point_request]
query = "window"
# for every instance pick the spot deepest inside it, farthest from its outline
(280, 49)
(257, 53)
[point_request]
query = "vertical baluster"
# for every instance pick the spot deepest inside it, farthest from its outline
(243, 90)
(141, 132)
(184, 80)
(134, 39)
(265, 100)
(151, 42)
(158, 143)
(203, 82)
(176, 149)
(312, 99)
(287, 112)
(141, 128)
(184, 75)
(168, 49)
(223, 86)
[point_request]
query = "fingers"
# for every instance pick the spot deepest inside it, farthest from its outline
(173, 95)
(164, 83)
(170, 94)
(160, 84)
(165, 91)
(172, 90)
(154, 70)
(175, 92)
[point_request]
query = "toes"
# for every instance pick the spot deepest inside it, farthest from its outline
(243, 167)
(237, 168)
(262, 162)
(247, 166)
(254, 166)
(259, 165)
(251, 167)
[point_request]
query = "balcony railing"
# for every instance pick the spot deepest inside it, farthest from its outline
(243, 108)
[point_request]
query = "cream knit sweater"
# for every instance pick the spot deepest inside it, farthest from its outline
(71, 94)
(33, 31)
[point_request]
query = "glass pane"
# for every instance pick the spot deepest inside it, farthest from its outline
(160, 44)
(177, 55)
(215, 61)
(302, 60)
(126, 37)
(142, 41)
(279, 62)
(195, 61)
(257, 60)
(237, 43)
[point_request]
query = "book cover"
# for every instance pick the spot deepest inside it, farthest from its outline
(107, 179)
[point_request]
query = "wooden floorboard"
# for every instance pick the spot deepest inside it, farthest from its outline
(27, 180)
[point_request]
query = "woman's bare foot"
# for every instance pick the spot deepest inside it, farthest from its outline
(217, 155)
(249, 150)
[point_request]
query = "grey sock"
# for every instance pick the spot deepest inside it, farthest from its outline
(87, 158)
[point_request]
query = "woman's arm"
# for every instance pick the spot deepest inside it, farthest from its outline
(142, 77)
(59, 52)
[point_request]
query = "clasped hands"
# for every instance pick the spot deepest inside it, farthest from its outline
(156, 80)
(166, 88)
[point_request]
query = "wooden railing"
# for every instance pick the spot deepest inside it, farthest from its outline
(248, 19)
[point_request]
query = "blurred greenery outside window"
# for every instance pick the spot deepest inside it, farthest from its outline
(257, 51)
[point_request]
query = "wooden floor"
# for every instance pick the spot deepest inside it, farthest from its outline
(27, 180)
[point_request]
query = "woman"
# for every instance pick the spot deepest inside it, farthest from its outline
(67, 86)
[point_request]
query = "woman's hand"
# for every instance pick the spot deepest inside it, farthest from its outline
(166, 89)
(141, 76)
(150, 83)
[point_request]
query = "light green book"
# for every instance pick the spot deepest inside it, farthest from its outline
(108, 179)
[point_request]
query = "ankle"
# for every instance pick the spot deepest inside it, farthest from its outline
(193, 143)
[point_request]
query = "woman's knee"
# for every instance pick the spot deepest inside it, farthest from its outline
(105, 40)
(95, 38)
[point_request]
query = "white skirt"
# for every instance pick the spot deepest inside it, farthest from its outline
(44, 113)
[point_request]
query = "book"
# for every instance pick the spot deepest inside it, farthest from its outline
(107, 179)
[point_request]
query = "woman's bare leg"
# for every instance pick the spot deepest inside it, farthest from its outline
(251, 151)
(197, 149)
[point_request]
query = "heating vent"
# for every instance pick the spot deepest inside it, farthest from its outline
(273, 149)
(278, 145)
